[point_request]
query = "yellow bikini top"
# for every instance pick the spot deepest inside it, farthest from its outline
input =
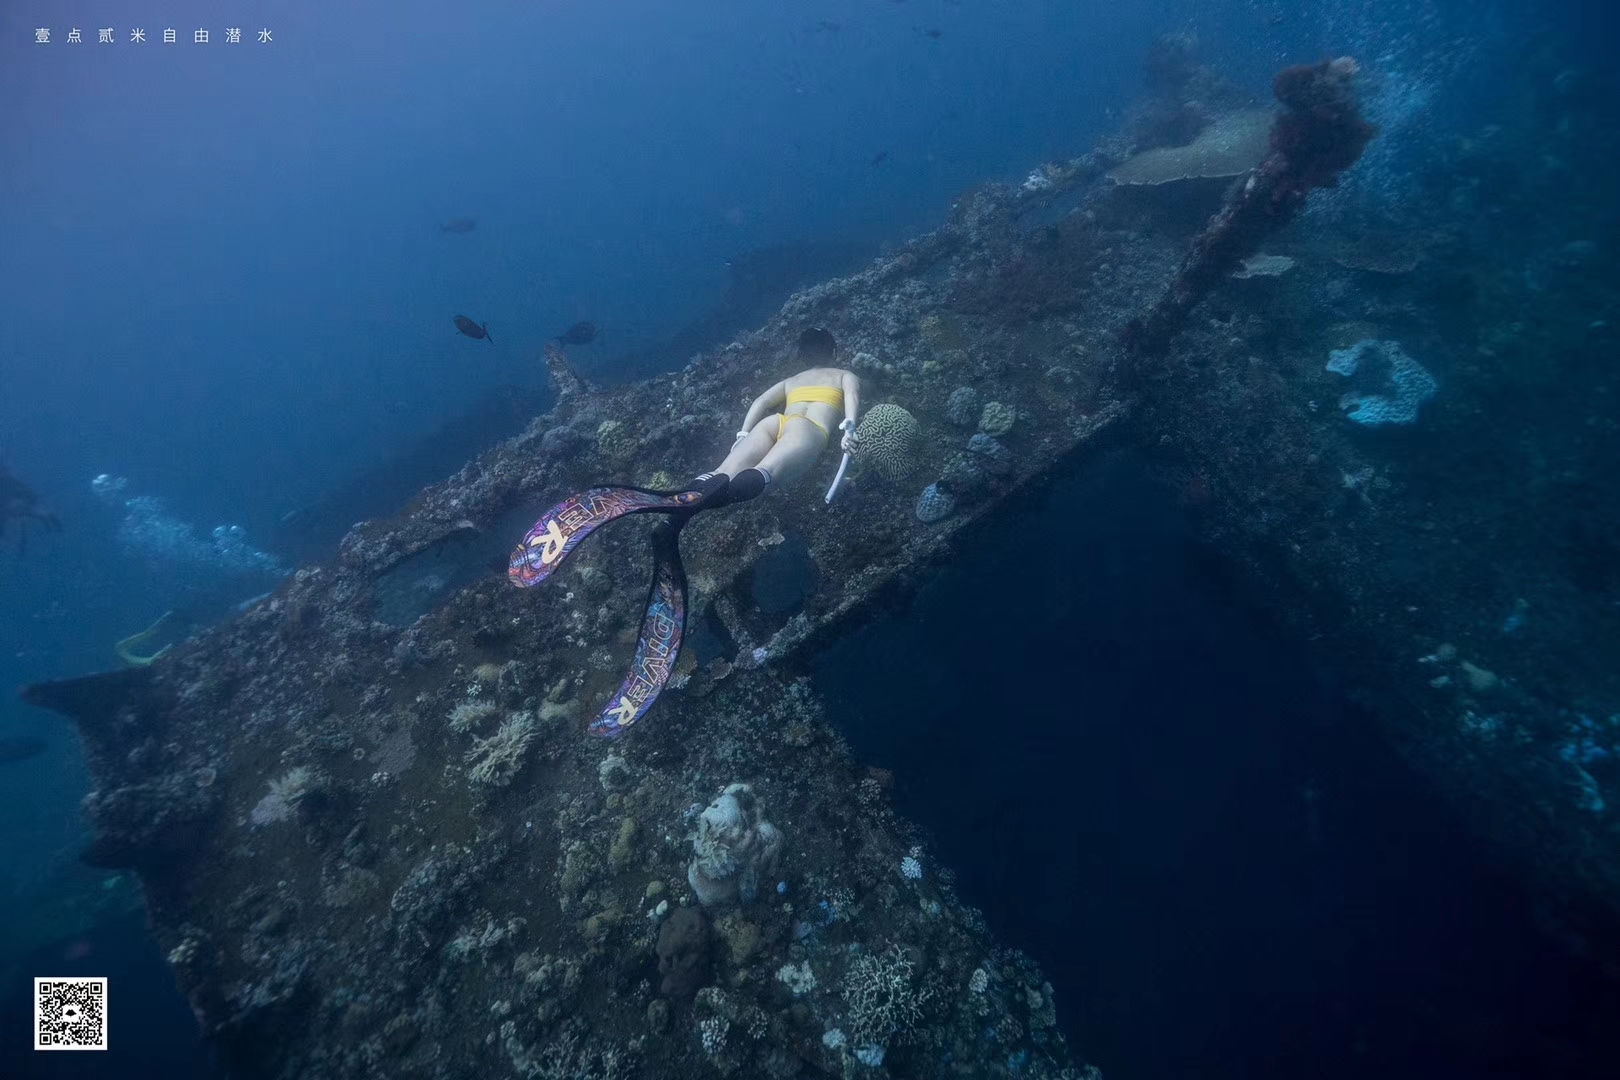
(826, 395)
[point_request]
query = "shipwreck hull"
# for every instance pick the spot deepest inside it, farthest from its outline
(346, 885)
(339, 894)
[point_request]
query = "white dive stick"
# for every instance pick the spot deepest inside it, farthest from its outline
(839, 479)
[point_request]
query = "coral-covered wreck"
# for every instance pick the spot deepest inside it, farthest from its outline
(374, 837)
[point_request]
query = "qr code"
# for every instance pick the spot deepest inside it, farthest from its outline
(70, 1014)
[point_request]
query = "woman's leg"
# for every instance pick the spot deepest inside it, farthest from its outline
(800, 444)
(748, 453)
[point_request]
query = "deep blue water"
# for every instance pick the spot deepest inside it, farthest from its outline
(1167, 802)
(150, 1029)
(225, 281)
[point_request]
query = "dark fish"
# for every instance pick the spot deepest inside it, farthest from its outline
(879, 158)
(472, 329)
(460, 225)
(578, 334)
(927, 31)
(15, 748)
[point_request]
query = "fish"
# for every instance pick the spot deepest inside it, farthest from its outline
(928, 31)
(15, 748)
(472, 329)
(578, 334)
(878, 158)
(460, 226)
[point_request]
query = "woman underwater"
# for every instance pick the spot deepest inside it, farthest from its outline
(783, 434)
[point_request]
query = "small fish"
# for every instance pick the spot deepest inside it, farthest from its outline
(15, 748)
(579, 334)
(460, 226)
(927, 31)
(472, 329)
(878, 158)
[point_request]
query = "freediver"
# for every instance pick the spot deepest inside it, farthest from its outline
(770, 450)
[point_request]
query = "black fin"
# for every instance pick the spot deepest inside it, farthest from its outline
(658, 645)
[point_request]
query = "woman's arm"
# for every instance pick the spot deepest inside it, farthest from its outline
(852, 397)
(762, 405)
(852, 410)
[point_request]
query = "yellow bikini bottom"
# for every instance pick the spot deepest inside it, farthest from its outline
(823, 395)
(783, 418)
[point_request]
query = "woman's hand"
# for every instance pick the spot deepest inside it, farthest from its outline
(850, 442)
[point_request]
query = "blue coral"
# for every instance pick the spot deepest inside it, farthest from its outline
(1396, 386)
(1590, 741)
(993, 455)
(935, 503)
(963, 407)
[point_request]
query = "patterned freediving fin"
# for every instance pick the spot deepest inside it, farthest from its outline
(658, 645)
(561, 529)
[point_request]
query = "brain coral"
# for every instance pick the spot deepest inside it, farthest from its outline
(889, 439)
